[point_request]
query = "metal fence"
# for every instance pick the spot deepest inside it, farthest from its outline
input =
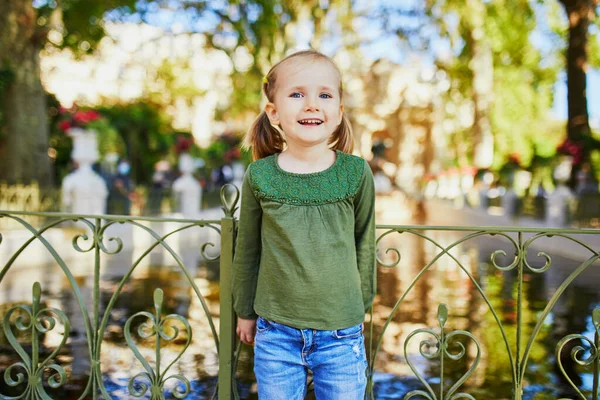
(35, 332)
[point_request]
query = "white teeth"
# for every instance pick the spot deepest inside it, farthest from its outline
(311, 121)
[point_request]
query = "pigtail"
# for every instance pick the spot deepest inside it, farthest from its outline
(342, 138)
(263, 138)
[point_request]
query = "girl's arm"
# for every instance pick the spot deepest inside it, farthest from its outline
(247, 252)
(364, 236)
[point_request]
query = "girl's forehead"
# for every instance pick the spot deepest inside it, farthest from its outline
(308, 72)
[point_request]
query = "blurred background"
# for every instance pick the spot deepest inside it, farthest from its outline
(470, 112)
(448, 99)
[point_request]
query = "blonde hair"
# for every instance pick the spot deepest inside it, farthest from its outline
(264, 139)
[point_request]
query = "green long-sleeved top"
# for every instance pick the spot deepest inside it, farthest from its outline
(305, 249)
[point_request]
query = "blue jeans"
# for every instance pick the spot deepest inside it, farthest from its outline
(283, 355)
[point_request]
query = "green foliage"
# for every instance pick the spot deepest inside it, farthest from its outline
(258, 28)
(524, 74)
(559, 31)
(60, 144)
(79, 24)
(519, 113)
(109, 140)
(146, 131)
(264, 30)
(225, 148)
(172, 80)
(549, 136)
(522, 86)
(246, 95)
(594, 49)
(523, 83)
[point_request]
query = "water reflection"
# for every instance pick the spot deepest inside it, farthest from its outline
(444, 282)
(118, 363)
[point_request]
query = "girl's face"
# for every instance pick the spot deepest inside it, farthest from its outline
(307, 104)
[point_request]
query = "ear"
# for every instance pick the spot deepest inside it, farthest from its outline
(271, 112)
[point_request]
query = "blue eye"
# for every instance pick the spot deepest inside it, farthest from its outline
(326, 96)
(296, 95)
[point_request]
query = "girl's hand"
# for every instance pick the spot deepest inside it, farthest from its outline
(246, 329)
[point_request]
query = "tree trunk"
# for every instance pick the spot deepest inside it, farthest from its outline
(24, 131)
(482, 69)
(578, 13)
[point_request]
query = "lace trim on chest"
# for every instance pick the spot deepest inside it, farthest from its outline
(338, 182)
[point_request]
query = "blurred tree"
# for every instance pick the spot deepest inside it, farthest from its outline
(484, 50)
(146, 131)
(171, 82)
(24, 31)
(60, 144)
(255, 34)
(574, 31)
(579, 15)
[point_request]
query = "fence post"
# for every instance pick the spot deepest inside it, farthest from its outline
(226, 324)
(227, 316)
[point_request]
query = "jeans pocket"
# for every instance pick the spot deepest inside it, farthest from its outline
(262, 325)
(350, 332)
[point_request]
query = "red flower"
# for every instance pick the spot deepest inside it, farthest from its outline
(183, 144)
(232, 154)
(572, 148)
(93, 115)
(65, 125)
(76, 118)
(85, 117)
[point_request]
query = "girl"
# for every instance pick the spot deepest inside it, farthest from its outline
(304, 266)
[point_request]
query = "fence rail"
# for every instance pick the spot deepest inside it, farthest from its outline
(442, 356)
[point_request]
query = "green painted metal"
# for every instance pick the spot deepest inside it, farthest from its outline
(444, 251)
(96, 324)
(518, 360)
(518, 389)
(35, 320)
(227, 317)
(441, 343)
(578, 353)
(440, 346)
(155, 326)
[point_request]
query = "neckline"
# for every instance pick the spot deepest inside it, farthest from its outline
(308, 174)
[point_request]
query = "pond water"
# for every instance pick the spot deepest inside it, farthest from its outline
(445, 282)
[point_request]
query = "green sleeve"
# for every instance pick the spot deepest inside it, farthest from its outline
(246, 260)
(364, 236)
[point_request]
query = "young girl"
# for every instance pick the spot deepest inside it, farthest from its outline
(304, 266)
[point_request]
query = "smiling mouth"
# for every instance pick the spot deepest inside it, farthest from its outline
(310, 122)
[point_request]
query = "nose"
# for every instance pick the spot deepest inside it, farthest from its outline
(311, 104)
